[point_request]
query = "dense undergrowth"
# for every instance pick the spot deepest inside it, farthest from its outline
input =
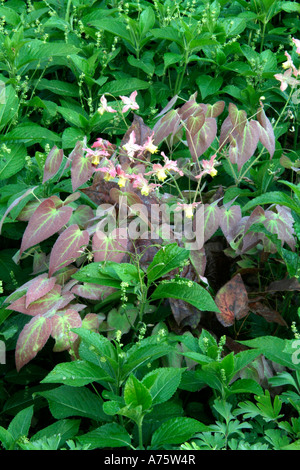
(149, 216)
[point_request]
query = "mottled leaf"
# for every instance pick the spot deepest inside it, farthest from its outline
(92, 291)
(232, 300)
(40, 287)
(32, 339)
(49, 302)
(61, 329)
(81, 169)
(52, 163)
(110, 247)
(67, 248)
(229, 220)
(45, 222)
(266, 132)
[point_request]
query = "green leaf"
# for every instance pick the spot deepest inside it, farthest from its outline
(147, 20)
(166, 259)
(68, 401)
(8, 105)
(58, 87)
(76, 374)
(176, 431)
(189, 291)
(11, 163)
(162, 383)
(30, 134)
(276, 349)
(20, 424)
(246, 386)
(114, 26)
(208, 85)
(136, 394)
(273, 197)
(124, 86)
(107, 436)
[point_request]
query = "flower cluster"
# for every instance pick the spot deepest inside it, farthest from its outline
(289, 77)
(102, 149)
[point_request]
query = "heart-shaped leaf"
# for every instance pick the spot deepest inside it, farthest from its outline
(67, 248)
(45, 222)
(232, 300)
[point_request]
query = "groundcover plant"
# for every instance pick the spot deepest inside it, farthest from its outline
(151, 256)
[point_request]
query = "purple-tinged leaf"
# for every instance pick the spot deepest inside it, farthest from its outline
(64, 274)
(232, 300)
(229, 221)
(110, 247)
(28, 211)
(46, 304)
(92, 321)
(71, 198)
(40, 287)
(266, 132)
(200, 141)
(165, 126)
(15, 203)
(226, 131)
(214, 110)
(53, 162)
(32, 339)
(67, 248)
(168, 106)
(45, 222)
(190, 108)
(81, 170)
(92, 291)
(77, 149)
(267, 313)
(61, 329)
(238, 118)
(280, 224)
(246, 143)
(198, 260)
(211, 220)
(40, 262)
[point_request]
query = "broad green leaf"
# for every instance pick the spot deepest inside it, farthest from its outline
(65, 428)
(123, 86)
(32, 339)
(165, 260)
(276, 349)
(114, 26)
(176, 431)
(162, 383)
(92, 273)
(208, 85)
(76, 374)
(12, 162)
(188, 291)
(45, 222)
(38, 50)
(169, 33)
(246, 386)
(20, 424)
(66, 401)
(8, 105)
(109, 435)
(273, 197)
(136, 394)
(30, 134)
(147, 20)
(58, 87)
(142, 355)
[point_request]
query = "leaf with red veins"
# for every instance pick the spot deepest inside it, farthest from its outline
(61, 329)
(32, 339)
(45, 222)
(67, 248)
(53, 162)
(232, 301)
(40, 287)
